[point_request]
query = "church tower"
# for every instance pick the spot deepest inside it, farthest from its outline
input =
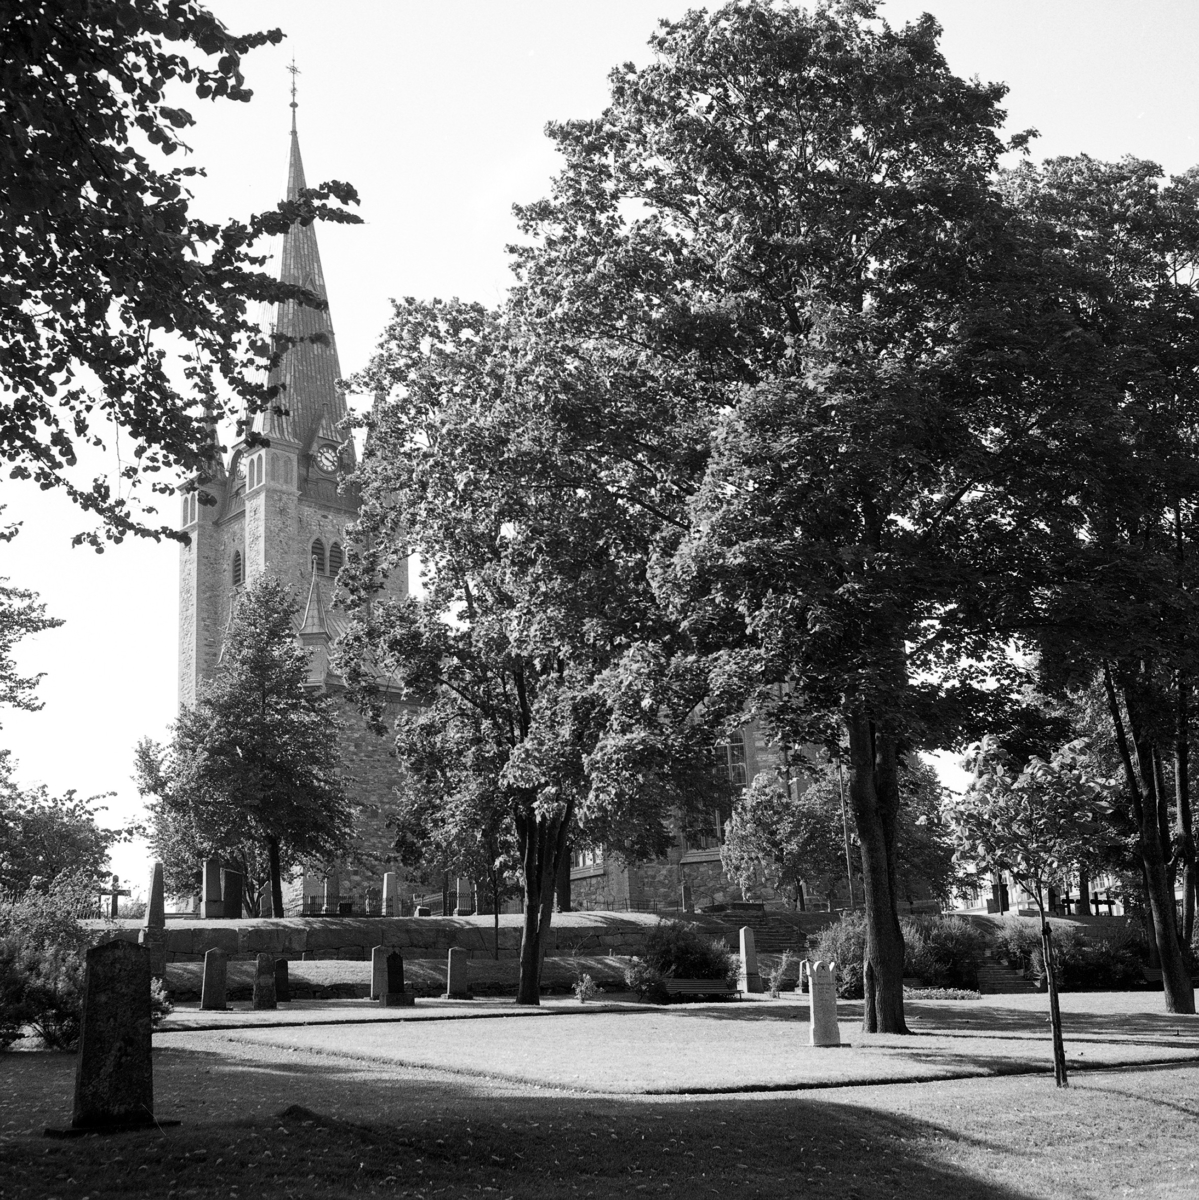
(278, 509)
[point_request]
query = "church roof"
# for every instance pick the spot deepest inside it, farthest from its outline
(310, 402)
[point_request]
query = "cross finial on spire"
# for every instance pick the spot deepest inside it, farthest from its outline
(294, 72)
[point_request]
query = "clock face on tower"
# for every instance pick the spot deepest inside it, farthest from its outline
(328, 458)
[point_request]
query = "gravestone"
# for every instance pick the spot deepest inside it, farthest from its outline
(686, 903)
(456, 986)
(463, 906)
(114, 894)
(216, 979)
(282, 982)
(231, 891)
(266, 905)
(114, 1078)
(378, 972)
(264, 982)
(211, 904)
(748, 979)
(822, 1004)
(391, 984)
(391, 895)
(153, 935)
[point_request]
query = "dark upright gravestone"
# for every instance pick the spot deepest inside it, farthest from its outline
(114, 1079)
(231, 890)
(216, 974)
(378, 972)
(264, 982)
(153, 934)
(394, 995)
(282, 983)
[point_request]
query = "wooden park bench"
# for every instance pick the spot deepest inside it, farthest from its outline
(700, 987)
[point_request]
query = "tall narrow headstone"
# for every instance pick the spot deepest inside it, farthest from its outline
(231, 890)
(114, 1078)
(822, 1004)
(393, 994)
(456, 986)
(391, 895)
(329, 907)
(748, 979)
(216, 975)
(264, 982)
(266, 904)
(282, 982)
(211, 904)
(463, 906)
(153, 934)
(378, 972)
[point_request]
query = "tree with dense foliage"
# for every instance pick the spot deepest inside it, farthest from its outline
(1120, 612)
(256, 762)
(553, 696)
(1035, 823)
(781, 250)
(44, 837)
(801, 840)
(101, 261)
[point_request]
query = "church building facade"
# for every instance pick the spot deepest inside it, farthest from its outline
(281, 510)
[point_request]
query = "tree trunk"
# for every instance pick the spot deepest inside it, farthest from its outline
(1182, 797)
(1176, 980)
(1142, 780)
(563, 885)
(1055, 1012)
(276, 884)
(1084, 893)
(874, 797)
(542, 842)
(495, 909)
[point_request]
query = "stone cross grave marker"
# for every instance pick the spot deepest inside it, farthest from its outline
(211, 904)
(391, 895)
(456, 986)
(282, 982)
(748, 979)
(392, 993)
(114, 1078)
(114, 892)
(264, 982)
(216, 977)
(822, 1004)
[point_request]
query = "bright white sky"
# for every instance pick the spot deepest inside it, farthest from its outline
(434, 112)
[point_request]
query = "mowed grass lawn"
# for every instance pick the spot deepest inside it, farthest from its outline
(266, 1116)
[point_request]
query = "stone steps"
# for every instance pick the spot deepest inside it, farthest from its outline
(998, 979)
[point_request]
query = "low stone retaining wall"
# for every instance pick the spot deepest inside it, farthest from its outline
(353, 938)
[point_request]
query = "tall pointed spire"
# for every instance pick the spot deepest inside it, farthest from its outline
(310, 370)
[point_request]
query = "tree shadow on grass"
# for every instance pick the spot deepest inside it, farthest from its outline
(275, 1129)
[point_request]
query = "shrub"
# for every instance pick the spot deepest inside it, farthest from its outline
(776, 976)
(943, 952)
(1108, 962)
(844, 942)
(679, 950)
(1016, 941)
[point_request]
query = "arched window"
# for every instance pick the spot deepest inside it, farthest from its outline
(238, 569)
(336, 558)
(318, 556)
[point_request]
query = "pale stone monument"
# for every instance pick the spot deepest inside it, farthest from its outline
(266, 905)
(457, 965)
(264, 982)
(392, 993)
(463, 907)
(216, 977)
(822, 1004)
(211, 904)
(114, 1078)
(748, 979)
(391, 895)
(378, 972)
